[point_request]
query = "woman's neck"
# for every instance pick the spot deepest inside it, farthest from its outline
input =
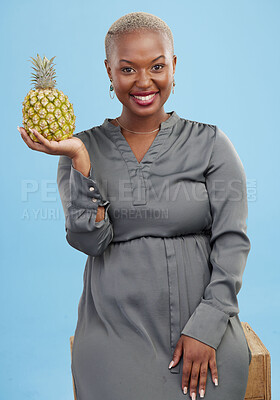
(140, 124)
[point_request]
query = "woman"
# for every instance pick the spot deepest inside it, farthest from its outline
(159, 205)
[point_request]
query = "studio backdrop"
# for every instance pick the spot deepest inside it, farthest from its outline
(227, 74)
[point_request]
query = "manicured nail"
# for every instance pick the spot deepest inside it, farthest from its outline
(216, 382)
(193, 396)
(201, 394)
(185, 390)
(171, 364)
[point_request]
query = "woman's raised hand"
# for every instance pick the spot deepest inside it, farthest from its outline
(196, 357)
(68, 147)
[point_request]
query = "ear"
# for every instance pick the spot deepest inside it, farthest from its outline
(174, 63)
(108, 68)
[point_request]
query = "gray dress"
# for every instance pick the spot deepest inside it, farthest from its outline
(167, 260)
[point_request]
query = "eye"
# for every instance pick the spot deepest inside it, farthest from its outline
(159, 65)
(123, 69)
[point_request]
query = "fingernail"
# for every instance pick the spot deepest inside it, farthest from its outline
(18, 128)
(216, 382)
(193, 396)
(31, 130)
(201, 393)
(185, 389)
(171, 364)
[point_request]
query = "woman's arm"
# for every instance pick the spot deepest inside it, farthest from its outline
(84, 208)
(87, 228)
(81, 162)
(230, 245)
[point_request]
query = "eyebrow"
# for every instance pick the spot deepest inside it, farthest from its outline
(130, 62)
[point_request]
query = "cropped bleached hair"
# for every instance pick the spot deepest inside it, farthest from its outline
(133, 22)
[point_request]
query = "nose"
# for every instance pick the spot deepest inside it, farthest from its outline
(143, 79)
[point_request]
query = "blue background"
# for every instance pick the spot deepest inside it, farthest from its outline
(227, 74)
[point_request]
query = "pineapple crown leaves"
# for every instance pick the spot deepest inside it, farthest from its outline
(44, 72)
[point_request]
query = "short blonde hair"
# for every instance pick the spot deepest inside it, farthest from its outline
(133, 22)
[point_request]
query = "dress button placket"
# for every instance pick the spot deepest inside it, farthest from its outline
(139, 189)
(174, 299)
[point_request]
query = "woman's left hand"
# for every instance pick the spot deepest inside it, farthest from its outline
(196, 356)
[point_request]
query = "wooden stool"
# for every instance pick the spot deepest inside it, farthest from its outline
(259, 379)
(71, 346)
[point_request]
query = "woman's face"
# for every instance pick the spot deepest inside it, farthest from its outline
(143, 71)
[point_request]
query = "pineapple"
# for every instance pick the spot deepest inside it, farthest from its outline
(46, 109)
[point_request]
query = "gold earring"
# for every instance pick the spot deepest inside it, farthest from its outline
(173, 85)
(111, 90)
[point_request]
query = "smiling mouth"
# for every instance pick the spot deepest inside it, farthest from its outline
(143, 98)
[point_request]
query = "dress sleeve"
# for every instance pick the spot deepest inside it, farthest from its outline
(80, 199)
(230, 245)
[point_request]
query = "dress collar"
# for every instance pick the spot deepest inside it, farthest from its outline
(172, 120)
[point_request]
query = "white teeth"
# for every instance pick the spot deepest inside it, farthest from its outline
(145, 97)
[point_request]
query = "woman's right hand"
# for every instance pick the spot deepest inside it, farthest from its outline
(68, 147)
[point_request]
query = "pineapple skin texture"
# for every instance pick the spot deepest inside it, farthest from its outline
(50, 113)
